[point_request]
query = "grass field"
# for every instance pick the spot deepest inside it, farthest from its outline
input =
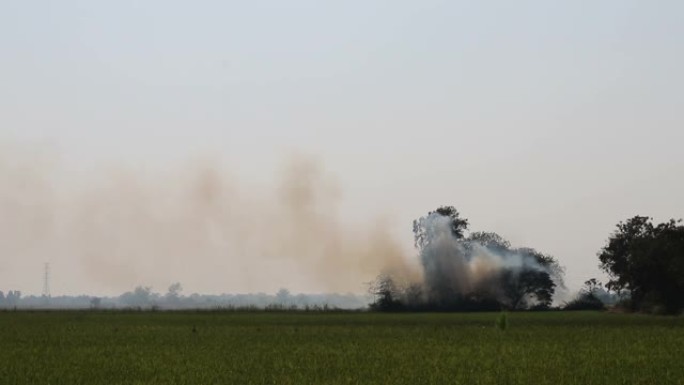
(338, 348)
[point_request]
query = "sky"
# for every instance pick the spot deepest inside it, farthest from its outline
(546, 122)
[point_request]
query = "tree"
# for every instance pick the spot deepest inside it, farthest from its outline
(492, 241)
(534, 283)
(173, 293)
(95, 302)
(12, 298)
(414, 295)
(386, 294)
(591, 287)
(423, 227)
(527, 287)
(140, 297)
(283, 297)
(546, 262)
(587, 298)
(647, 260)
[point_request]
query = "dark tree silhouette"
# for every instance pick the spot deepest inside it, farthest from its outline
(386, 294)
(535, 283)
(647, 261)
(591, 287)
(529, 284)
(587, 299)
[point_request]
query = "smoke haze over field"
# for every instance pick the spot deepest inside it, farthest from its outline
(199, 225)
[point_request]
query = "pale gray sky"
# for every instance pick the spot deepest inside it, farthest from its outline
(547, 122)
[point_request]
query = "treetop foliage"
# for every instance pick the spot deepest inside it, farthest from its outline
(423, 227)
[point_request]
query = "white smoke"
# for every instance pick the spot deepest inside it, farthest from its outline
(456, 267)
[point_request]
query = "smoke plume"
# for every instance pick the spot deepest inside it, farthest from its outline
(481, 271)
(109, 229)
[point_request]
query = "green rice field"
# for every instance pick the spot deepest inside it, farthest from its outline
(84, 347)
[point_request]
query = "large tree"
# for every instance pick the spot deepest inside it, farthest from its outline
(647, 261)
(527, 287)
(386, 294)
(531, 284)
(534, 284)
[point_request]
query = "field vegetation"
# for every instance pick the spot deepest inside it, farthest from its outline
(114, 347)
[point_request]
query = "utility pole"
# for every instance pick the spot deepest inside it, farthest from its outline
(46, 281)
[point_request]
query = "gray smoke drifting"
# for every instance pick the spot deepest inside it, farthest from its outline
(477, 269)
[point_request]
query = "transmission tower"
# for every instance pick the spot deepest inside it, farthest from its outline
(46, 281)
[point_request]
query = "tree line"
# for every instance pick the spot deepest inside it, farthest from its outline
(644, 261)
(144, 298)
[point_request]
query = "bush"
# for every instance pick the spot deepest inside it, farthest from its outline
(585, 302)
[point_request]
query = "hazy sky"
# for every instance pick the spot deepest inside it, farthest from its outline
(547, 122)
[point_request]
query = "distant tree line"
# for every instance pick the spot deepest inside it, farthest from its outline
(10, 300)
(592, 296)
(144, 298)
